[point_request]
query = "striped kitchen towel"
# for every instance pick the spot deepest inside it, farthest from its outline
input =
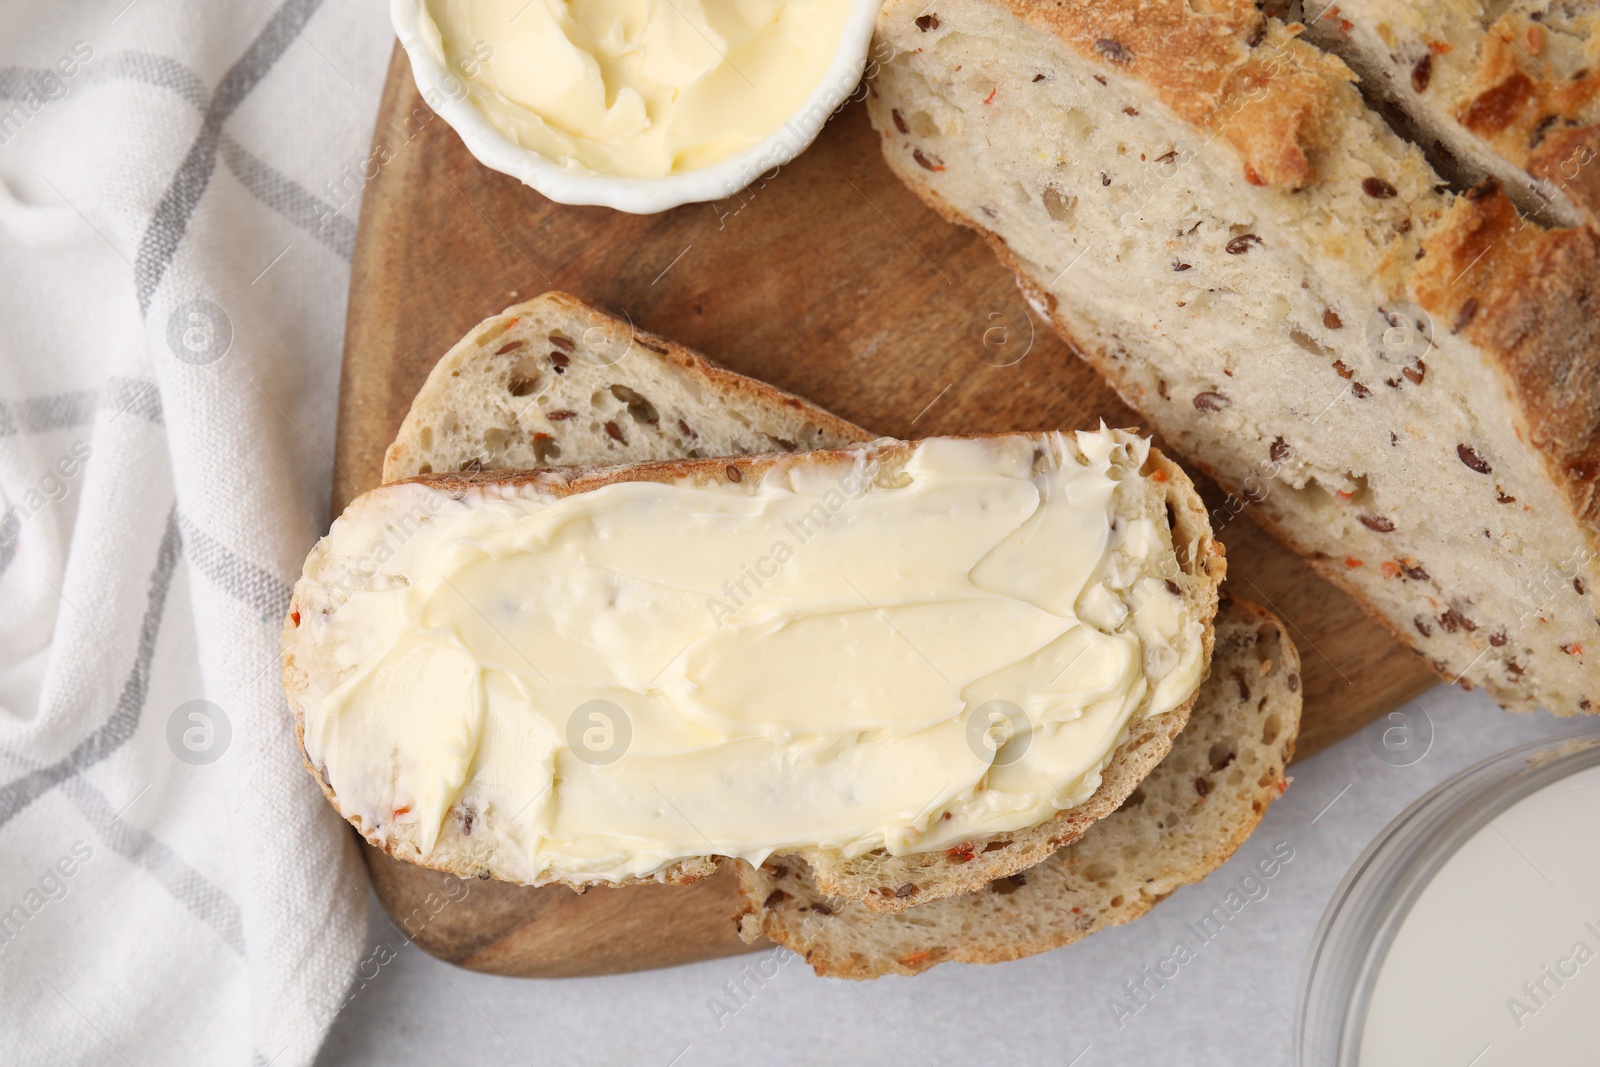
(177, 216)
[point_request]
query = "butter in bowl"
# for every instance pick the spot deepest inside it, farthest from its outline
(637, 105)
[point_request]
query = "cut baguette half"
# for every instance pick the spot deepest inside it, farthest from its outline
(1514, 97)
(1402, 384)
(555, 381)
(313, 667)
(1185, 819)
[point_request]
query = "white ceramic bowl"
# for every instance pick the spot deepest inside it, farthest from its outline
(446, 94)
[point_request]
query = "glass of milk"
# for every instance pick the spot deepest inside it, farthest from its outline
(1468, 933)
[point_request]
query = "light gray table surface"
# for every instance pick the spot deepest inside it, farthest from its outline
(1231, 1004)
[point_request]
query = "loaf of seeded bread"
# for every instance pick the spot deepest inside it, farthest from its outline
(555, 381)
(1402, 382)
(1510, 91)
(315, 663)
(1182, 822)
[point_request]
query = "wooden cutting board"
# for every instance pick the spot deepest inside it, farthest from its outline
(826, 278)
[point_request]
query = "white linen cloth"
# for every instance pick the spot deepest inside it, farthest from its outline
(178, 189)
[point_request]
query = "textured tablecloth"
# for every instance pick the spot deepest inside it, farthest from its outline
(178, 188)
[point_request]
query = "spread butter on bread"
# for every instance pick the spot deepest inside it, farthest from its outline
(605, 675)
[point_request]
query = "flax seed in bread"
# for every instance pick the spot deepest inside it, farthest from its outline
(1509, 91)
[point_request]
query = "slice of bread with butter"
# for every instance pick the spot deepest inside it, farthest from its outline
(866, 657)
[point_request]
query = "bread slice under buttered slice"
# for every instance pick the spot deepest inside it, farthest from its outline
(465, 839)
(1183, 821)
(556, 382)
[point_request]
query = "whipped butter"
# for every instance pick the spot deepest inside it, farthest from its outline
(841, 656)
(636, 88)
